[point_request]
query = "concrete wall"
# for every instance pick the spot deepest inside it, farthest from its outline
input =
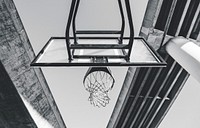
(16, 54)
(13, 113)
(153, 36)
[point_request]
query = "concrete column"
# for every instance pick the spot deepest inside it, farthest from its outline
(16, 53)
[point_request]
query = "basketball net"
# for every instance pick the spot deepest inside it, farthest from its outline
(98, 82)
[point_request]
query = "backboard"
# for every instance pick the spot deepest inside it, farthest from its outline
(106, 52)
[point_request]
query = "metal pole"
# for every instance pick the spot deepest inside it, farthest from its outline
(131, 28)
(74, 21)
(68, 28)
(123, 21)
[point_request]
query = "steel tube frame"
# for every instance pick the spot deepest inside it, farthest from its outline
(71, 12)
(123, 21)
(99, 56)
(72, 20)
(99, 46)
(97, 32)
(131, 28)
(159, 59)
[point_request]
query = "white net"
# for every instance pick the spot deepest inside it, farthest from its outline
(98, 83)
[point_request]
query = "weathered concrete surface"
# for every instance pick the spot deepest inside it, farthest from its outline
(13, 113)
(16, 54)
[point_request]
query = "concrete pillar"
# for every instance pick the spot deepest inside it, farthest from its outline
(13, 113)
(16, 53)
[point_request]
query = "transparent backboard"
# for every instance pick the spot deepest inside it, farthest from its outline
(55, 53)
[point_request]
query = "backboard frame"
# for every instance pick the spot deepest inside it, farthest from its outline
(159, 59)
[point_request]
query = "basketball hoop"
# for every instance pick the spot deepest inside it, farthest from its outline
(98, 81)
(108, 48)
